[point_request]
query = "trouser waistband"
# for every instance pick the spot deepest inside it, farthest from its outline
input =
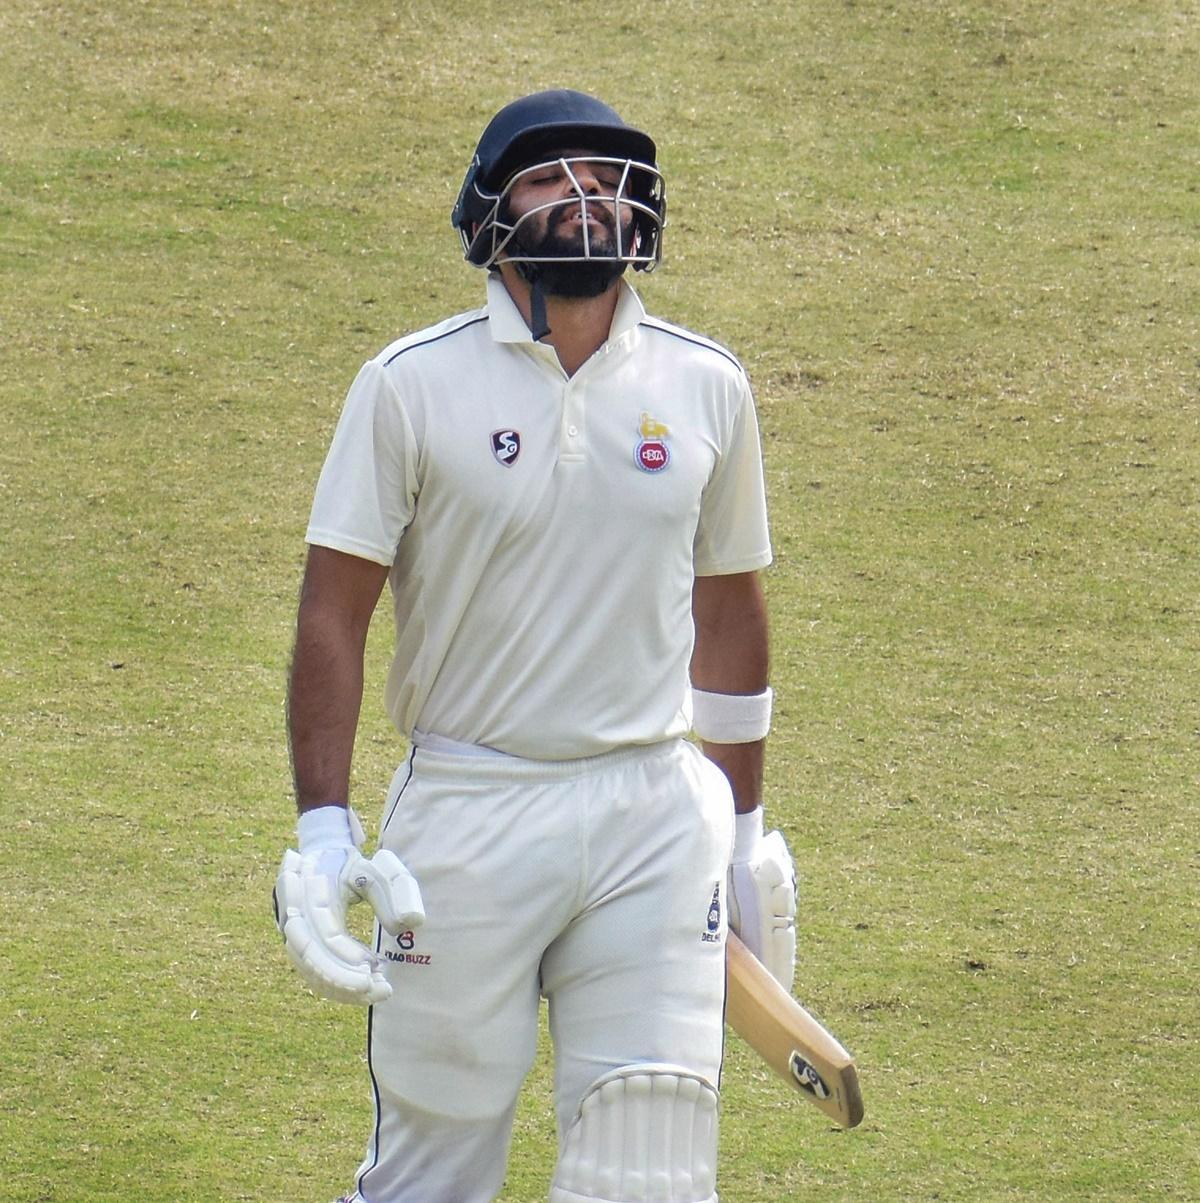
(439, 758)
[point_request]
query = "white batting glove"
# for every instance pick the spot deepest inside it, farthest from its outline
(312, 892)
(762, 895)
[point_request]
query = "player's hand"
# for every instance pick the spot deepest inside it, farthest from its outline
(762, 896)
(314, 888)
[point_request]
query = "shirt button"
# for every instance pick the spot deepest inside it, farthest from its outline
(573, 431)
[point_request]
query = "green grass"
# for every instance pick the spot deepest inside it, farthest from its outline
(956, 246)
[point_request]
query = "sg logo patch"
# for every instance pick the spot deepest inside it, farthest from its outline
(807, 1078)
(506, 446)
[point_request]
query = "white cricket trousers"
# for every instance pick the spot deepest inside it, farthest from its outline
(597, 883)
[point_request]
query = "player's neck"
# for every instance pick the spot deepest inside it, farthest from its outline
(579, 326)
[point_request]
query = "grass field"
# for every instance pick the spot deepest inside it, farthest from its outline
(957, 245)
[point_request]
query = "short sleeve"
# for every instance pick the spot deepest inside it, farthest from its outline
(732, 534)
(366, 494)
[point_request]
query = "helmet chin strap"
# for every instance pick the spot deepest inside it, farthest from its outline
(594, 279)
(538, 326)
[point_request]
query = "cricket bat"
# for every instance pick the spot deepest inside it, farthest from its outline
(788, 1038)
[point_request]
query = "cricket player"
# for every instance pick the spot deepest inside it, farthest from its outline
(566, 498)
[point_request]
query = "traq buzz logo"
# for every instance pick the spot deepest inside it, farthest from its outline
(403, 953)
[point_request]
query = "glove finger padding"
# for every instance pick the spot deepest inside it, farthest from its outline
(310, 910)
(388, 886)
(762, 906)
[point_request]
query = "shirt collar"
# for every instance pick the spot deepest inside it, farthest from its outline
(508, 326)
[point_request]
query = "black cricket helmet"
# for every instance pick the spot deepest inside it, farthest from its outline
(539, 129)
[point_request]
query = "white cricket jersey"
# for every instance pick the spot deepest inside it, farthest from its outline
(542, 530)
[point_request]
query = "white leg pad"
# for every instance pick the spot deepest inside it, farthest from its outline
(643, 1134)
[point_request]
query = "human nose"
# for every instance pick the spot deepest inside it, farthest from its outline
(585, 178)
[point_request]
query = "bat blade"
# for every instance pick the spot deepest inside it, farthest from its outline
(794, 1044)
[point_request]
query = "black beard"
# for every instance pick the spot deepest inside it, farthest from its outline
(589, 278)
(577, 279)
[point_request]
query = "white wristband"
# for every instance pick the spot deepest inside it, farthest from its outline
(747, 832)
(731, 718)
(324, 827)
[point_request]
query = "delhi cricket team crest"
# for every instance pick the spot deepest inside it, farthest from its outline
(712, 934)
(652, 454)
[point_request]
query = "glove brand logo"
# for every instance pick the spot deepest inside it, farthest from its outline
(713, 934)
(404, 954)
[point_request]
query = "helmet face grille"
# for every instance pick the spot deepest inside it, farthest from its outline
(634, 208)
(537, 130)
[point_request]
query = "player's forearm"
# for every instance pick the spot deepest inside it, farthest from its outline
(731, 656)
(743, 765)
(324, 699)
(325, 691)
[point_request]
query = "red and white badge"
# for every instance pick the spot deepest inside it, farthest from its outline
(652, 453)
